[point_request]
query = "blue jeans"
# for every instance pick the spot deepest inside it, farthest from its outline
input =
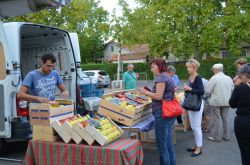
(164, 138)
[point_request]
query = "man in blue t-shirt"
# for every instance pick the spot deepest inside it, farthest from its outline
(42, 82)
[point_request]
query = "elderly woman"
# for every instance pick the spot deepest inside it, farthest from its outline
(240, 99)
(195, 86)
(163, 89)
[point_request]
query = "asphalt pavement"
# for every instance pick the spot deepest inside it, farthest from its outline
(214, 153)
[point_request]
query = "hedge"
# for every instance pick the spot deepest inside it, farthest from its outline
(204, 70)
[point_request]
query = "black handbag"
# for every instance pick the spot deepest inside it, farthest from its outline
(192, 102)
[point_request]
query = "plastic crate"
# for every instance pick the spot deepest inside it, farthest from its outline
(92, 103)
(99, 93)
(88, 87)
(86, 94)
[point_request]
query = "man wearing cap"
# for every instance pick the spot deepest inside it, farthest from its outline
(220, 88)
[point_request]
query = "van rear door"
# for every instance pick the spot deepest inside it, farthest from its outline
(5, 64)
(12, 8)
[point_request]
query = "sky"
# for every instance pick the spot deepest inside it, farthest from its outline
(110, 5)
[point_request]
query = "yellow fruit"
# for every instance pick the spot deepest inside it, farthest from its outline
(73, 122)
(106, 121)
(114, 128)
(123, 104)
(109, 137)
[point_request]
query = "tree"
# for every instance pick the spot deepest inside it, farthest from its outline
(185, 27)
(84, 17)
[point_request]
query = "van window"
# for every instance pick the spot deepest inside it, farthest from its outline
(102, 73)
(90, 73)
(2, 63)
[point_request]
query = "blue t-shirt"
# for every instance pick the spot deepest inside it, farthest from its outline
(168, 92)
(43, 85)
(176, 80)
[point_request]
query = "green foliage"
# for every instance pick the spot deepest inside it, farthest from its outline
(185, 27)
(85, 17)
(204, 71)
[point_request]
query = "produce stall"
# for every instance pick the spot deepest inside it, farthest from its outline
(120, 152)
(60, 137)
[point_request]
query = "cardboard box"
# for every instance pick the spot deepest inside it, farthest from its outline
(83, 133)
(45, 137)
(45, 114)
(99, 137)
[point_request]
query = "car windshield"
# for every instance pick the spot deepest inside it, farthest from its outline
(90, 73)
(84, 75)
(102, 73)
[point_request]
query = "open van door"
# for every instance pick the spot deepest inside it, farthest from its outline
(12, 8)
(5, 64)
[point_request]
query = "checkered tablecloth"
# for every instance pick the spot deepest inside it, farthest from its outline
(120, 152)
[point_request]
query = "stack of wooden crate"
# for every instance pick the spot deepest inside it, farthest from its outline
(43, 114)
(121, 114)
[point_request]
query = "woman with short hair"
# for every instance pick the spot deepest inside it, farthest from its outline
(195, 86)
(163, 89)
(239, 63)
(240, 99)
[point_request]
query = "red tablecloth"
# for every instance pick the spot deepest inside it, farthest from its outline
(122, 151)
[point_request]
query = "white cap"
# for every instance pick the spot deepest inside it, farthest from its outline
(217, 66)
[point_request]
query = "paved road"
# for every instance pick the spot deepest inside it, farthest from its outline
(214, 153)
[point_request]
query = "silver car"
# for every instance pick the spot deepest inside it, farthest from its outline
(99, 77)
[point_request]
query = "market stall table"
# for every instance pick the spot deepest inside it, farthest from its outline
(144, 126)
(122, 151)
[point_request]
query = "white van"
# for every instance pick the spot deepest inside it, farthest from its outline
(21, 48)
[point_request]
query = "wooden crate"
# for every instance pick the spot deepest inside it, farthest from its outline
(83, 133)
(99, 137)
(45, 137)
(43, 129)
(57, 125)
(48, 120)
(72, 133)
(45, 114)
(121, 114)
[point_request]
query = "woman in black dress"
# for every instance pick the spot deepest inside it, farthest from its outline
(240, 99)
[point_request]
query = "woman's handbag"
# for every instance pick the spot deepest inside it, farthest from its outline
(192, 102)
(171, 108)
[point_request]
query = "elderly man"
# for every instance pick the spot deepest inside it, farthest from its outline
(219, 88)
(129, 78)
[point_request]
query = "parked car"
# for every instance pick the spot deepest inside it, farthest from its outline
(99, 77)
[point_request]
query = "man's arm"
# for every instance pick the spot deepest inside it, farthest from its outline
(22, 94)
(210, 86)
(64, 91)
